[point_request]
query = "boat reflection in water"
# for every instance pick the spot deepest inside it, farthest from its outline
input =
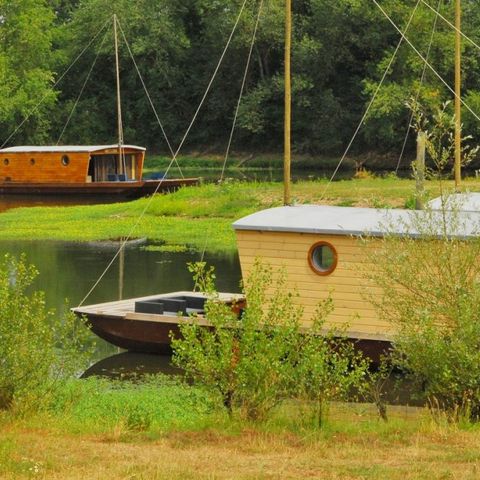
(130, 366)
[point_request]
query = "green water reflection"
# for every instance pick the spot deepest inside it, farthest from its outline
(68, 271)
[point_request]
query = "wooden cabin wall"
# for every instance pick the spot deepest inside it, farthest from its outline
(346, 283)
(139, 159)
(43, 167)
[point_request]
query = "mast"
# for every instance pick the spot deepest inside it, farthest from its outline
(119, 104)
(288, 104)
(458, 122)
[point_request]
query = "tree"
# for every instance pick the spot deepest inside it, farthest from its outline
(38, 349)
(27, 63)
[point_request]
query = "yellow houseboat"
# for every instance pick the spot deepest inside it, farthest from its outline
(82, 169)
(320, 250)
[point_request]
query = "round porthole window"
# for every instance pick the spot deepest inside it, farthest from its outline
(6, 161)
(322, 258)
(65, 160)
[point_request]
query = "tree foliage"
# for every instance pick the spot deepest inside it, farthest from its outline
(38, 349)
(340, 51)
(430, 294)
(264, 356)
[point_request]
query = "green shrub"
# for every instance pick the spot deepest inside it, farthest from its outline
(328, 368)
(38, 349)
(430, 293)
(256, 361)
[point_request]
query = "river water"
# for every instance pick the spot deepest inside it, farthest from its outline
(68, 270)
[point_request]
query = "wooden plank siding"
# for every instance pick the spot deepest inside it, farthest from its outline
(44, 167)
(346, 284)
(47, 167)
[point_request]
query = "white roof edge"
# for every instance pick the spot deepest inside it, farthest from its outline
(349, 221)
(65, 148)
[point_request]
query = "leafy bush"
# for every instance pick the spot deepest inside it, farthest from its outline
(328, 367)
(255, 361)
(38, 349)
(430, 293)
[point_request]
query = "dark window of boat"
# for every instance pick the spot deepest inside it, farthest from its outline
(322, 258)
(32, 161)
(65, 160)
(6, 161)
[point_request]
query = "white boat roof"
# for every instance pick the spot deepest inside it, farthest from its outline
(353, 221)
(65, 148)
(465, 202)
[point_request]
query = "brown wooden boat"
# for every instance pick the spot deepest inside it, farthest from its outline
(80, 170)
(145, 324)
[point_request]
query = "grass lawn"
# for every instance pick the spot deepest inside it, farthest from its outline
(199, 216)
(354, 445)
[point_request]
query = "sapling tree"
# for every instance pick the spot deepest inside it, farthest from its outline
(255, 361)
(38, 349)
(328, 368)
(430, 293)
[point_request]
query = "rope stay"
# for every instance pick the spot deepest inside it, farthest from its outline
(147, 93)
(244, 80)
(372, 100)
(425, 61)
(150, 200)
(451, 25)
(212, 79)
(417, 95)
(37, 106)
(428, 63)
(82, 89)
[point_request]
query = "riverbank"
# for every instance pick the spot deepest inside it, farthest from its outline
(199, 217)
(100, 430)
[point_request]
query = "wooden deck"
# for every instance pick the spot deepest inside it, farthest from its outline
(119, 324)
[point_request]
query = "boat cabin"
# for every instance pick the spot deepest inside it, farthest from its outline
(320, 249)
(71, 164)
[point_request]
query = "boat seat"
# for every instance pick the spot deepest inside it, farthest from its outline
(112, 177)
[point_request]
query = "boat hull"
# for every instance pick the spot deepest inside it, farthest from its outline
(135, 336)
(128, 189)
(119, 324)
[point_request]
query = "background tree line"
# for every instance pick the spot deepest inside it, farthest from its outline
(340, 50)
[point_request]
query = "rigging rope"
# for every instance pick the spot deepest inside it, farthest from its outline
(422, 78)
(241, 90)
(450, 24)
(427, 62)
(35, 108)
(147, 93)
(364, 116)
(149, 202)
(82, 89)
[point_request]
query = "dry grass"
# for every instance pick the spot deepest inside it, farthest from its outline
(357, 447)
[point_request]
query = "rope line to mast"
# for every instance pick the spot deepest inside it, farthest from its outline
(212, 79)
(244, 80)
(427, 62)
(147, 93)
(364, 116)
(35, 108)
(451, 25)
(82, 89)
(150, 200)
(422, 78)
